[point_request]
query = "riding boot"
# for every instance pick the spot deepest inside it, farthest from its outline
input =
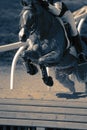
(76, 41)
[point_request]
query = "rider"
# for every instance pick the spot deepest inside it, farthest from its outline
(58, 8)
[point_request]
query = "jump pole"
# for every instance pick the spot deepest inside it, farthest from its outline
(12, 46)
(13, 66)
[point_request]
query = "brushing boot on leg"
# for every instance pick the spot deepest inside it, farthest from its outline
(46, 79)
(30, 67)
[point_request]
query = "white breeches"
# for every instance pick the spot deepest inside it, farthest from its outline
(68, 18)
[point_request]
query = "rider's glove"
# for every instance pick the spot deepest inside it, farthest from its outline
(44, 4)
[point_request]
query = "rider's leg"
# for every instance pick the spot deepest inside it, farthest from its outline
(68, 17)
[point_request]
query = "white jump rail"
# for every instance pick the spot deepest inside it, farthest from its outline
(12, 46)
(15, 59)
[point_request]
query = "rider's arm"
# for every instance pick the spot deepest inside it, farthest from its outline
(57, 8)
(53, 10)
(61, 7)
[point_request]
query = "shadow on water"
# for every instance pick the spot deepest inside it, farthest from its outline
(76, 95)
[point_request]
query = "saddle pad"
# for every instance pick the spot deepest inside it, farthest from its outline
(67, 61)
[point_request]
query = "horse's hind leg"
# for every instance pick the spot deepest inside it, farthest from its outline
(64, 79)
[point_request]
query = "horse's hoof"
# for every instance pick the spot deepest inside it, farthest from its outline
(33, 70)
(48, 81)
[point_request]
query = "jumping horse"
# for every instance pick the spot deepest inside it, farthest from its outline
(50, 45)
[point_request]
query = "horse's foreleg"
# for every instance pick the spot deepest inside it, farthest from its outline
(47, 79)
(47, 60)
(30, 68)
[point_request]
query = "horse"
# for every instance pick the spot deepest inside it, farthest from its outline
(49, 46)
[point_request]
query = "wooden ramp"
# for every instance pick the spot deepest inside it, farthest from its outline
(44, 113)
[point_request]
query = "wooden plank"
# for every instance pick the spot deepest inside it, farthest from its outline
(39, 123)
(43, 109)
(56, 103)
(40, 128)
(37, 113)
(41, 116)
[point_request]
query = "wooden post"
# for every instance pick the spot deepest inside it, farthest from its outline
(4, 127)
(19, 128)
(33, 128)
(11, 128)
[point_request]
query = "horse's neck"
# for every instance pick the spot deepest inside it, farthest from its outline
(45, 22)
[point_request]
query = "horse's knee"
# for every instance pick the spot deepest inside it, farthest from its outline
(41, 60)
(36, 47)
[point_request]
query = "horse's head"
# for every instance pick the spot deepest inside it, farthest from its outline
(32, 4)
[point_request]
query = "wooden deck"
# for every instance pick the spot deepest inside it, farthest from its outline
(43, 113)
(31, 104)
